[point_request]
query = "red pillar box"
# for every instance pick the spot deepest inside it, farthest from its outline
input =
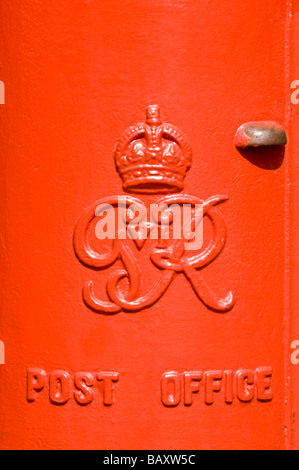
(136, 341)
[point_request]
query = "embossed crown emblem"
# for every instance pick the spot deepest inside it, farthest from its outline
(153, 156)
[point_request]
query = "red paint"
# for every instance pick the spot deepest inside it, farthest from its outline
(292, 235)
(154, 156)
(77, 75)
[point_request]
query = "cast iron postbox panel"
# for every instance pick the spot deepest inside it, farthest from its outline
(133, 344)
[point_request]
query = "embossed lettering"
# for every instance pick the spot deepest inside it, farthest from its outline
(212, 384)
(264, 377)
(171, 389)
(242, 385)
(245, 381)
(35, 382)
(108, 379)
(60, 387)
(191, 385)
(83, 381)
(229, 386)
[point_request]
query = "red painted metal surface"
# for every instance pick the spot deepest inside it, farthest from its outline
(176, 374)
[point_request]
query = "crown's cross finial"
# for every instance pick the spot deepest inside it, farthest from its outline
(153, 157)
(153, 115)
